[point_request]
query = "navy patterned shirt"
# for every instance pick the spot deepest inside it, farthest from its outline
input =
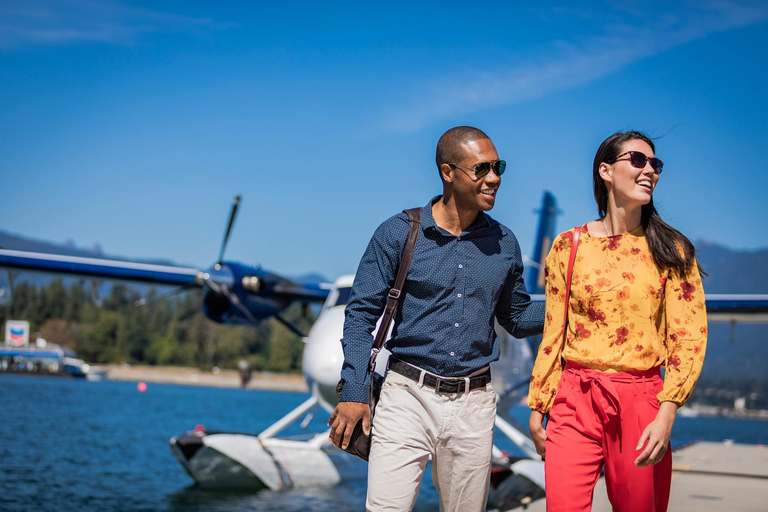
(455, 288)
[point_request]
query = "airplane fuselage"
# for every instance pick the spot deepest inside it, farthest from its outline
(323, 355)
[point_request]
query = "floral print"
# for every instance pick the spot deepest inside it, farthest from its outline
(624, 314)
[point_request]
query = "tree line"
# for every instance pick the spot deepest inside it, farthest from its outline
(111, 328)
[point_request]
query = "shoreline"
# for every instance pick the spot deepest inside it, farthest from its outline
(194, 376)
(711, 411)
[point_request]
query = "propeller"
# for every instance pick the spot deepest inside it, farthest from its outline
(203, 277)
(232, 216)
(225, 292)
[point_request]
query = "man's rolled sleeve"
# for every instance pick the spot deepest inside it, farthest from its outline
(373, 280)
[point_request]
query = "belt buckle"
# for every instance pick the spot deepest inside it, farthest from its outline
(457, 383)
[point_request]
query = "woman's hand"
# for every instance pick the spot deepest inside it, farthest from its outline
(657, 435)
(538, 434)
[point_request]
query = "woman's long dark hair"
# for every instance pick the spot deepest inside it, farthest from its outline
(664, 241)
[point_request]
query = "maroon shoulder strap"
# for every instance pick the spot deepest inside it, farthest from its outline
(414, 214)
(574, 246)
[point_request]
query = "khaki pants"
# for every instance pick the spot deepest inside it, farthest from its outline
(413, 423)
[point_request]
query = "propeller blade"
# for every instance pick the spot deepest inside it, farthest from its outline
(232, 298)
(232, 215)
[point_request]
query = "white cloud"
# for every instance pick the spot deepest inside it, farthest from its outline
(641, 33)
(71, 22)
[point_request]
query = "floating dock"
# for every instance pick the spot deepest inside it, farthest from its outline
(707, 477)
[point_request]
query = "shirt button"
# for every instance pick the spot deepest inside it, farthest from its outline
(461, 266)
(456, 324)
(459, 295)
(453, 354)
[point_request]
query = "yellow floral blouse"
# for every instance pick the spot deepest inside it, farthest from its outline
(625, 314)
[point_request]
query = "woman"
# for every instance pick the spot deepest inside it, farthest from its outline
(636, 303)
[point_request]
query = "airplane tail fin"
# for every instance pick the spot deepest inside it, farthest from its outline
(545, 235)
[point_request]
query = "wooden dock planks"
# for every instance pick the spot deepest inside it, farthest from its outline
(708, 477)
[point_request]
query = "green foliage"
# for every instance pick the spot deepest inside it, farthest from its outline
(165, 331)
(280, 349)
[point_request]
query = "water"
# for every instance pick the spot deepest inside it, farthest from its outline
(72, 445)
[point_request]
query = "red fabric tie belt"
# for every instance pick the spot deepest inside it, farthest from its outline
(602, 387)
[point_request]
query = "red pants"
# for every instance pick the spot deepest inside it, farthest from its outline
(596, 420)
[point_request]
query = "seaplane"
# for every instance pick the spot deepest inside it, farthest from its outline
(234, 293)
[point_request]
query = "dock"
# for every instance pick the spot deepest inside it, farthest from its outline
(707, 477)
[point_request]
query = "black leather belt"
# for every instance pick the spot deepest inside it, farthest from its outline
(440, 384)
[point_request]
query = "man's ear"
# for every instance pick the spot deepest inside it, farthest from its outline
(446, 173)
(606, 172)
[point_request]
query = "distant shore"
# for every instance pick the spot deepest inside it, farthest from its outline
(713, 411)
(197, 377)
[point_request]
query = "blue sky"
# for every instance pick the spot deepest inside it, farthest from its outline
(134, 124)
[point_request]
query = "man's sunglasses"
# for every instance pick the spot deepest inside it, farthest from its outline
(483, 168)
(639, 160)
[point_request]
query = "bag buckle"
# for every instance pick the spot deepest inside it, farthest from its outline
(372, 360)
(394, 293)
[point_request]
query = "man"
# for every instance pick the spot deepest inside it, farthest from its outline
(437, 399)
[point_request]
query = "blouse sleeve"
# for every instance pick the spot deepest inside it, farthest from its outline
(686, 323)
(547, 369)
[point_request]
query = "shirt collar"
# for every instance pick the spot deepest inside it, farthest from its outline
(428, 221)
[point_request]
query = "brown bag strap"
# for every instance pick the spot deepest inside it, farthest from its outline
(414, 214)
(574, 246)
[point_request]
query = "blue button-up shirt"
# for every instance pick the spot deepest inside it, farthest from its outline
(455, 288)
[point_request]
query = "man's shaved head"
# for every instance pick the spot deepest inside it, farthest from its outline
(449, 148)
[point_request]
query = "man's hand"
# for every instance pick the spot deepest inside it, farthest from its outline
(343, 421)
(657, 435)
(538, 434)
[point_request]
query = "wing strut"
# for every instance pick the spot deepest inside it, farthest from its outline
(289, 325)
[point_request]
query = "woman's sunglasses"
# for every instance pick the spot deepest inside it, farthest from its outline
(483, 168)
(639, 160)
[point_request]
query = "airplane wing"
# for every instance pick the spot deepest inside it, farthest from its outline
(107, 269)
(233, 293)
(737, 308)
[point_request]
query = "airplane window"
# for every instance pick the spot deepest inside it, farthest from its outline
(343, 296)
